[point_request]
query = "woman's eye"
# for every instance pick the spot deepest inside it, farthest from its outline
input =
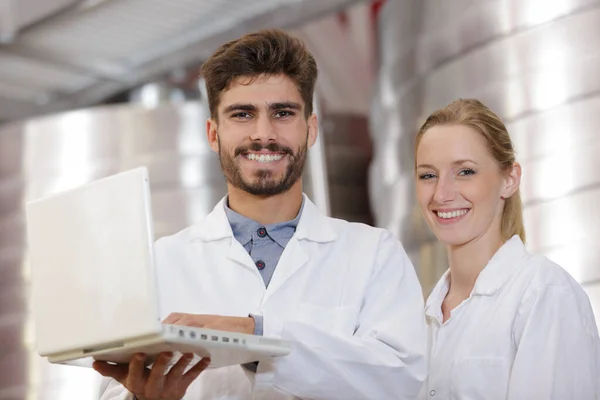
(426, 176)
(466, 172)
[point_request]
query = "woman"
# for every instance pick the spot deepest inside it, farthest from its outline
(503, 324)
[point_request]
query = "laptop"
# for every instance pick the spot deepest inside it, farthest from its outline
(93, 287)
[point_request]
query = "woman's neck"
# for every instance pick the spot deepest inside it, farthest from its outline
(468, 260)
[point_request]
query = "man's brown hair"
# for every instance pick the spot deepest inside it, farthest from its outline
(264, 53)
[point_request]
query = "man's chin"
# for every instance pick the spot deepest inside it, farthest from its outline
(267, 180)
(263, 188)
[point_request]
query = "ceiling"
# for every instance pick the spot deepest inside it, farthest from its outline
(64, 54)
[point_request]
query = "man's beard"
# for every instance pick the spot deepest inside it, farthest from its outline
(264, 183)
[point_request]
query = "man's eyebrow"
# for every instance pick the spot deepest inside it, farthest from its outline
(239, 107)
(285, 105)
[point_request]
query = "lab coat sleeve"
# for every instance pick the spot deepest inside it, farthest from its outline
(113, 390)
(258, 324)
(558, 351)
(384, 359)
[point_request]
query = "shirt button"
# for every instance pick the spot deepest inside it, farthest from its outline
(432, 393)
(262, 232)
(260, 265)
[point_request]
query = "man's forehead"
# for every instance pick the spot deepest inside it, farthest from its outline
(261, 91)
(247, 80)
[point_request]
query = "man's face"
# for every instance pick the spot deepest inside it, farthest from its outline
(262, 136)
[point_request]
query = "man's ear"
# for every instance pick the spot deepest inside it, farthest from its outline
(313, 130)
(211, 134)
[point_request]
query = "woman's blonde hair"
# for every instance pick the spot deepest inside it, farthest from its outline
(475, 115)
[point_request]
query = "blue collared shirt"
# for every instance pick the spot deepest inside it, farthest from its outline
(265, 244)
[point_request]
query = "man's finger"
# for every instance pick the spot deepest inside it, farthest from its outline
(173, 386)
(117, 372)
(136, 377)
(179, 368)
(173, 318)
(194, 372)
(156, 379)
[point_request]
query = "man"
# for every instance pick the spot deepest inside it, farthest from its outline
(266, 261)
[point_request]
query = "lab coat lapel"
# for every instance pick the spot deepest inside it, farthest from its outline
(312, 227)
(292, 259)
(215, 227)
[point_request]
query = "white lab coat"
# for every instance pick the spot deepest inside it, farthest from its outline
(345, 294)
(527, 332)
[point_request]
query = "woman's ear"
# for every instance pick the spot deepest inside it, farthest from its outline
(512, 181)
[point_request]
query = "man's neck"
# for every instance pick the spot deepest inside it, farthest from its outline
(266, 210)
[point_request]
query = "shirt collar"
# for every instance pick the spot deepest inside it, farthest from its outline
(243, 228)
(313, 225)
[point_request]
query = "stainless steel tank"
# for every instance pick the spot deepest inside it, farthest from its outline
(53, 153)
(536, 64)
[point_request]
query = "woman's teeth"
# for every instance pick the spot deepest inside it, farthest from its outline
(451, 214)
(264, 158)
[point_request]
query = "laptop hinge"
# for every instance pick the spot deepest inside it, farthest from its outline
(113, 345)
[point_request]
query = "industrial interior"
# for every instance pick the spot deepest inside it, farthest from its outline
(89, 88)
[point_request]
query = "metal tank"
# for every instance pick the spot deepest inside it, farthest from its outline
(536, 64)
(53, 153)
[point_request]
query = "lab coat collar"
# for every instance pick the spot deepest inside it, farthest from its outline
(313, 225)
(433, 306)
(499, 270)
(503, 265)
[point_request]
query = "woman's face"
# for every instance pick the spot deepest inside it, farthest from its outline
(460, 188)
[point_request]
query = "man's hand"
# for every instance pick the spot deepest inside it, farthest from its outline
(154, 384)
(217, 322)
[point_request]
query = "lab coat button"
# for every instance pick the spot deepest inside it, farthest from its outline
(260, 265)
(432, 393)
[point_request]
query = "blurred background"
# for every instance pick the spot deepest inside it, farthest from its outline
(92, 87)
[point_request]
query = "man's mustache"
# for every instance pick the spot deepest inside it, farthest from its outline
(272, 147)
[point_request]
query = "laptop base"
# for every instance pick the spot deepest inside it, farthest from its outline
(223, 348)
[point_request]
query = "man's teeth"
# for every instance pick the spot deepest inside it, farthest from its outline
(264, 158)
(451, 214)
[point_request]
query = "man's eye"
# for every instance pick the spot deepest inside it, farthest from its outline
(241, 115)
(283, 114)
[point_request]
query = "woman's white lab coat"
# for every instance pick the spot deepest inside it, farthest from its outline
(346, 294)
(526, 332)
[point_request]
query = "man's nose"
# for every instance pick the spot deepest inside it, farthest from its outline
(265, 130)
